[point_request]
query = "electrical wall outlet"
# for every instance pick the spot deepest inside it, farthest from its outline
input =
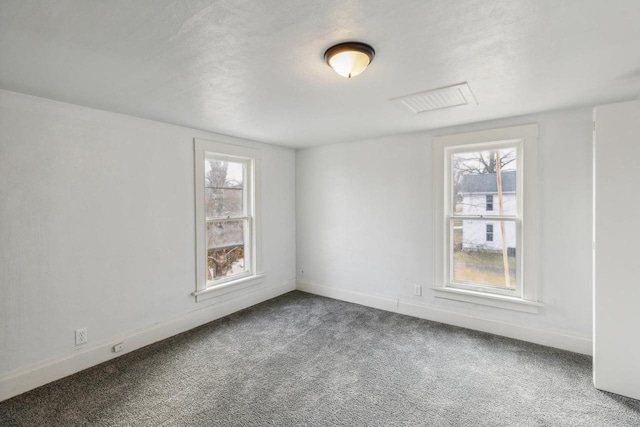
(118, 347)
(417, 290)
(81, 336)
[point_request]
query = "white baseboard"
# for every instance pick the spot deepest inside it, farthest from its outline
(32, 376)
(558, 339)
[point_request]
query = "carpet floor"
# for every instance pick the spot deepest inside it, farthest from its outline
(304, 360)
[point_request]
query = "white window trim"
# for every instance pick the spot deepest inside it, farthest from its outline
(228, 287)
(201, 149)
(528, 249)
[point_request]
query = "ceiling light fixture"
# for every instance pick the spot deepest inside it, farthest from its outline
(349, 59)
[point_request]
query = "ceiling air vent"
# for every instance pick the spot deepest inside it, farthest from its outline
(436, 99)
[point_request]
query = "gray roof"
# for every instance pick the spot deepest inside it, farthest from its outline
(486, 183)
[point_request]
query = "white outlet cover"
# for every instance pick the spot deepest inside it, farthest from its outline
(81, 336)
(417, 290)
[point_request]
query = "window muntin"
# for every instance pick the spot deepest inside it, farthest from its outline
(482, 249)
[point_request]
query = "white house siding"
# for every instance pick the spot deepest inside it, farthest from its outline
(474, 232)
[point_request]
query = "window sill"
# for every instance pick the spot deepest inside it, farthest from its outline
(226, 288)
(499, 301)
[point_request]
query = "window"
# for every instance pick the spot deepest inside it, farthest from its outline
(489, 235)
(486, 232)
(228, 216)
(477, 261)
(489, 202)
(226, 222)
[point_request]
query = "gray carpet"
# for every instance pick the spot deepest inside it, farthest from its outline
(306, 360)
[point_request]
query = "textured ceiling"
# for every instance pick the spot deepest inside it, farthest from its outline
(254, 69)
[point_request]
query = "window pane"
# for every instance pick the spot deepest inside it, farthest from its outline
(225, 249)
(223, 202)
(479, 254)
(224, 195)
(477, 189)
(222, 173)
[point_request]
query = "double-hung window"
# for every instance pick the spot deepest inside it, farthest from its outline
(485, 217)
(226, 221)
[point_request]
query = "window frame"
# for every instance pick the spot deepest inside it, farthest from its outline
(526, 297)
(203, 150)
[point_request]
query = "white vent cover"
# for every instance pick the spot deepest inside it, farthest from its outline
(436, 99)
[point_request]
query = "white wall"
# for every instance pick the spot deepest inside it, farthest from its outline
(97, 226)
(616, 358)
(365, 226)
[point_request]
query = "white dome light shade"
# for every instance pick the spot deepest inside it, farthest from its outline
(349, 64)
(349, 59)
